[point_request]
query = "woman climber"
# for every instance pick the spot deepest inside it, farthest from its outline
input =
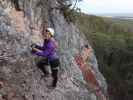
(49, 52)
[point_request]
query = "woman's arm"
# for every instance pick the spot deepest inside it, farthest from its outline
(33, 46)
(46, 52)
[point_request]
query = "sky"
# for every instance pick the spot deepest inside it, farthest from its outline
(106, 6)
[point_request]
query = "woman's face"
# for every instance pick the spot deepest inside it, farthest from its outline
(46, 35)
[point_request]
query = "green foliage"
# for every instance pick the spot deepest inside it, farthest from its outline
(115, 61)
(113, 43)
(69, 9)
(70, 15)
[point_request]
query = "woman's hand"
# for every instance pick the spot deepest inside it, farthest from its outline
(37, 50)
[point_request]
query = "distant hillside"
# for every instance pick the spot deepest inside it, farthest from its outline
(117, 14)
(112, 40)
(121, 16)
(124, 18)
(104, 24)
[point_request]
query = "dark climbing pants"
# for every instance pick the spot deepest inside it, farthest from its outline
(55, 77)
(54, 64)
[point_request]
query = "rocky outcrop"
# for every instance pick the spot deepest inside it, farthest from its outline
(20, 79)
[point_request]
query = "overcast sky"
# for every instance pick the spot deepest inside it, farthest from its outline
(106, 6)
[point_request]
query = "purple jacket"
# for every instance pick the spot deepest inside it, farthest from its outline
(49, 50)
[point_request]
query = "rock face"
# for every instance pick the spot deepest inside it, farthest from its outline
(20, 79)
